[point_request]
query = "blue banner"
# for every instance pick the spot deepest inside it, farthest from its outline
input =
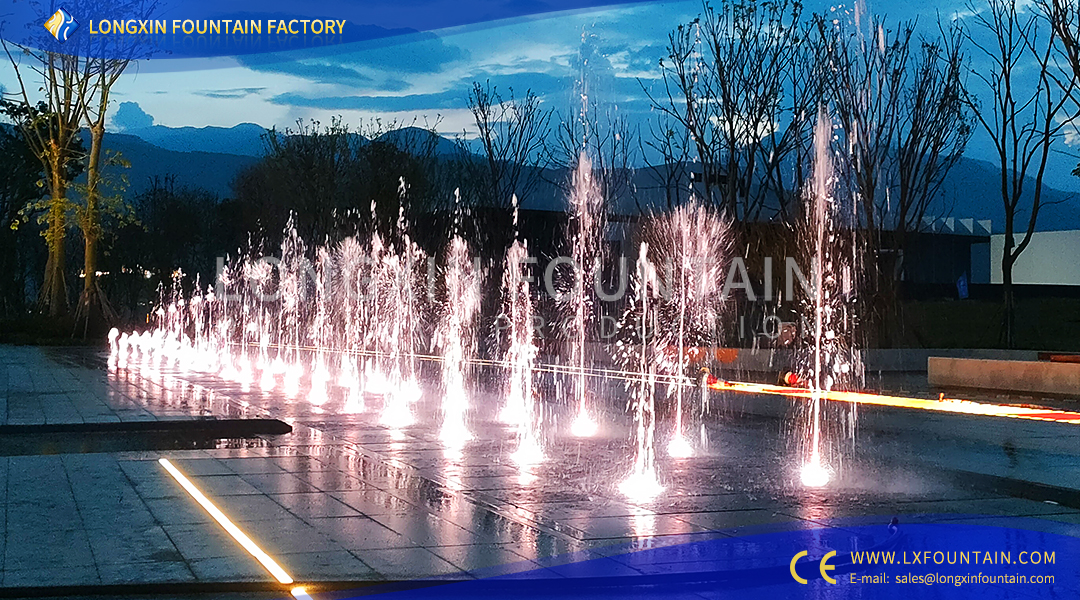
(202, 28)
(954, 560)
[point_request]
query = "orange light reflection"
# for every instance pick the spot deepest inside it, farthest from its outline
(947, 405)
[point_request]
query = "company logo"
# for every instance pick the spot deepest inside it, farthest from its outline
(61, 24)
(823, 566)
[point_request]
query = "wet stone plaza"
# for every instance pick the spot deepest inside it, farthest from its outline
(344, 501)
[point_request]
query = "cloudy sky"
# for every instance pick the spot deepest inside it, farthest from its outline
(427, 76)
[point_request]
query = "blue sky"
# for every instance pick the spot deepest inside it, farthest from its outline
(427, 76)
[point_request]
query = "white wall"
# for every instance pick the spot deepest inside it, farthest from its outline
(1052, 258)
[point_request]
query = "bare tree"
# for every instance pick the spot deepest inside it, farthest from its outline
(511, 133)
(1064, 18)
(932, 132)
(786, 153)
(610, 142)
(724, 82)
(867, 83)
(666, 152)
(1021, 118)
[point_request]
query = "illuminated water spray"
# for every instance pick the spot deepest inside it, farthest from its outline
(351, 257)
(827, 354)
(522, 406)
(455, 337)
(587, 203)
(636, 355)
(692, 245)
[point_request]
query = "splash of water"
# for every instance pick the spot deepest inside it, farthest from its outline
(692, 244)
(455, 337)
(522, 407)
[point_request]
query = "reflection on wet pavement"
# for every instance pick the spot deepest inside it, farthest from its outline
(345, 498)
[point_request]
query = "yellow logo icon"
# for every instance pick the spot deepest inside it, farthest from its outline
(823, 567)
(61, 24)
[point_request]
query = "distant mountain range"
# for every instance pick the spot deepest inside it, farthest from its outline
(244, 139)
(211, 158)
(212, 171)
(972, 189)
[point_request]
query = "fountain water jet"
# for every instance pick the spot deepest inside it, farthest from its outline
(643, 483)
(455, 337)
(587, 202)
(828, 353)
(693, 245)
(521, 406)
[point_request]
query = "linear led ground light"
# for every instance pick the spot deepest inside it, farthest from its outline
(241, 538)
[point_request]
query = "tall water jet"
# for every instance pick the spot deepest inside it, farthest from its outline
(827, 353)
(636, 354)
(402, 388)
(401, 293)
(455, 338)
(521, 406)
(587, 203)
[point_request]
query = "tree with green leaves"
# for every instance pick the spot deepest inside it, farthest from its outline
(51, 128)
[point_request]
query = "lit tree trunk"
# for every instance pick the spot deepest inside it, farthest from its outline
(53, 299)
(90, 222)
(93, 305)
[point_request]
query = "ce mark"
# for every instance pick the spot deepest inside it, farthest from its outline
(823, 566)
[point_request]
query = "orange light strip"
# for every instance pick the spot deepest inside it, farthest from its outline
(238, 535)
(942, 404)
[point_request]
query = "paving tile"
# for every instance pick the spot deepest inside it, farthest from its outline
(318, 504)
(123, 545)
(636, 526)
(375, 502)
(200, 467)
(278, 483)
(161, 486)
(231, 569)
(228, 453)
(146, 572)
(252, 508)
(334, 481)
(483, 557)
(255, 464)
(224, 485)
(141, 469)
(178, 510)
(401, 564)
(301, 464)
(24, 518)
(42, 549)
(427, 529)
(205, 540)
(733, 520)
(51, 576)
(360, 533)
(288, 535)
(338, 565)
